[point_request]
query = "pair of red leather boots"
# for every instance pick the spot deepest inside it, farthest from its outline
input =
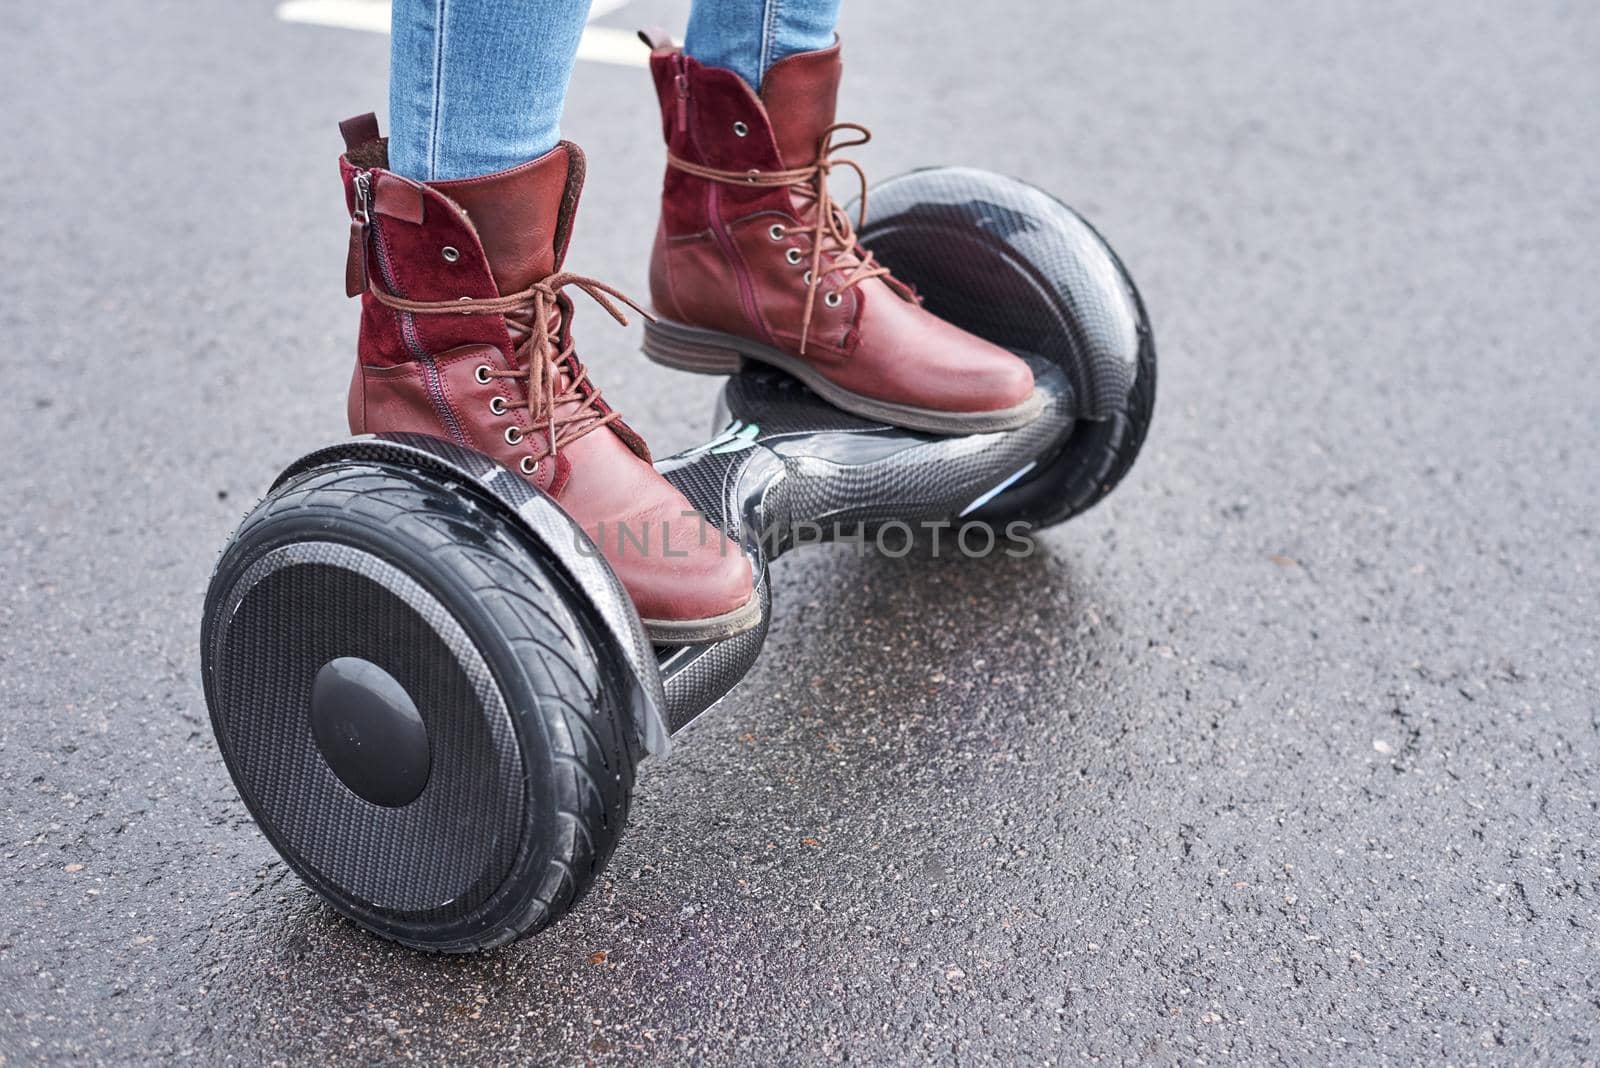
(466, 317)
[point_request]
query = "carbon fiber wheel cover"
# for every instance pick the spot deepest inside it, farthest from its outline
(294, 609)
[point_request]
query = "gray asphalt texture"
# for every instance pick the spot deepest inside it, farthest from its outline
(1286, 751)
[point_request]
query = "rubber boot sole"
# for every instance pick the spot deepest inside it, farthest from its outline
(710, 629)
(712, 352)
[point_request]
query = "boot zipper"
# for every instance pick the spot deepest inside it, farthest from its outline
(730, 252)
(747, 296)
(680, 79)
(408, 322)
(355, 264)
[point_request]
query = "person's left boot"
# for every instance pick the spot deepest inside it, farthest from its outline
(466, 334)
(753, 259)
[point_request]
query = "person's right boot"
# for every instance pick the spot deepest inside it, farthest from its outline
(466, 334)
(754, 261)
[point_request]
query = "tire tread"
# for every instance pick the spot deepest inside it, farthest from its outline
(490, 559)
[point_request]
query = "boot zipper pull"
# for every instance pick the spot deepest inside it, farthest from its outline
(681, 80)
(355, 264)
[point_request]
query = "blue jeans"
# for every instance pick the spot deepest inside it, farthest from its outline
(476, 86)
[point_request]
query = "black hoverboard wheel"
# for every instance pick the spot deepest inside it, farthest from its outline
(432, 692)
(419, 705)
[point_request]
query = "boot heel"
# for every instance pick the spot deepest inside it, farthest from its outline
(672, 345)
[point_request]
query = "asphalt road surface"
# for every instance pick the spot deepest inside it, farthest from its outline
(1288, 750)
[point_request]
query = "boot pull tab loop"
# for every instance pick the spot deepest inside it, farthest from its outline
(656, 39)
(359, 130)
(397, 197)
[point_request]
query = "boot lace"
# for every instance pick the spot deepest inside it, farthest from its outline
(832, 233)
(556, 400)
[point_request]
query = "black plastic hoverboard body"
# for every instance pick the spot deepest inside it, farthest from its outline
(431, 690)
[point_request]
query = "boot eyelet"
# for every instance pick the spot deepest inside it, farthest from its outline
(450, 253)
(740, 129)
(807, 278)
(513, 435)
(530, 466)
(497, 405)
(833, 300)
(482, 374)
(793, 255)
(776, 231)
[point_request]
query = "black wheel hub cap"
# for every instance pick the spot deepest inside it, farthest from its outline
(369, 731)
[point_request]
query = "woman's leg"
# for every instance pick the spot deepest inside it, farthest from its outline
(748, 36)
(477, 86)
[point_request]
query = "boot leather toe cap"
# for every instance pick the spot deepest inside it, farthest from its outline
(908, 355)
(709, 580)
(673, 563)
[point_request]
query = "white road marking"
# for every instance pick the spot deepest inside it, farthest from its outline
(600, 44)
(605, 44)
(372, 15)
